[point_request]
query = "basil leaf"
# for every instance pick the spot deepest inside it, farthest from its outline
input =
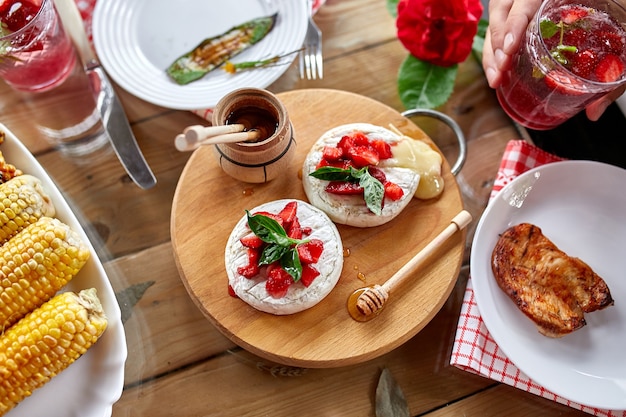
(374, 191)
(272, 253)
(329, 173)
(268, 229)
(290, 262)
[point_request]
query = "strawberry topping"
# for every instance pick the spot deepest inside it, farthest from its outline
(278, 280)
(574, 14)
(309, 273)
(564, 83)
(609, 69)
(357, 150)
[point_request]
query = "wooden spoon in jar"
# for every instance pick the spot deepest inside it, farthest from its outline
(366, 303)
(195, 136)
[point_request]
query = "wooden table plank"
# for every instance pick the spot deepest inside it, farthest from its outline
(164, 328)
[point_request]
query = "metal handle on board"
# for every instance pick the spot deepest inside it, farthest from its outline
(456, 167)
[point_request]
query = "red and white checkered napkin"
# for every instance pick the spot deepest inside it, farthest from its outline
(474, 349)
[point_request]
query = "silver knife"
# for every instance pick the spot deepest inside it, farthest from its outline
(111, 111)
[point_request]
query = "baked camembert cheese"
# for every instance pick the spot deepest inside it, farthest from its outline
(406, 167)
(320, 256)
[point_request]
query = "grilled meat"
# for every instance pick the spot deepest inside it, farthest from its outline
(552, 288)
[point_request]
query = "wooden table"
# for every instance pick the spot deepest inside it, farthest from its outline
(179, 364)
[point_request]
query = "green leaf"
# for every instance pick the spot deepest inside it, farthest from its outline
(392, 8)
(281, 247)
(548, 28)
(479, 39)
(424, 85)
(329, 173)
(272, 253)
(374, 191)
(290, 262)
(269, 230)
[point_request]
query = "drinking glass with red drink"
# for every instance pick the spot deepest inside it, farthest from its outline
(35, 52)
(573, 53)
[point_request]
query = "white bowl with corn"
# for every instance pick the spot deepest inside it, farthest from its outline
(60, 321)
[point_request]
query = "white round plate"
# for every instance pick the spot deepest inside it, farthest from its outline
(581, 207)
(90, 386)
(137, 40)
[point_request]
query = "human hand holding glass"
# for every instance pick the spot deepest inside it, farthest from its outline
(508, 21)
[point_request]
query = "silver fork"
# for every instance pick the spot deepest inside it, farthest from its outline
(311, 62)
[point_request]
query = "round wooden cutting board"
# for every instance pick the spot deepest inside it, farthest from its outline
(208, 203)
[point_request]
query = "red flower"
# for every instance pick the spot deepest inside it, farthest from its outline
(438, 31)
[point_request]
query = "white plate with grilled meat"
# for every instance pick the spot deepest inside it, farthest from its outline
(90, 386)
(580, 206)
(137, 40)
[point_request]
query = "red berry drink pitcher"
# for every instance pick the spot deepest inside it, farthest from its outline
(573, 53)
(35, 52)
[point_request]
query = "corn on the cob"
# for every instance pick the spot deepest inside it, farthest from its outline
(7, 171)
(46, 342)
(35, 264)
(22, 201)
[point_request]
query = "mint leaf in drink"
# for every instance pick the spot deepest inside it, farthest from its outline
(548, 28)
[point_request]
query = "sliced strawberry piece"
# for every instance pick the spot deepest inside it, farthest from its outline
(583, 63)
(309, 273)
(378, 173)
(609, 69)
(288, 214)
(295, 230)
(344, 188)
(563, 83)
(393, 191)
(611, 42)
(271, 216)
(251, 241)
(362, 156)
(574, 13)
(382, 148)
(278, 282)
(307, 231)
(232, 292)
(252, 269)
(360, 139)
(342, 163)
(310, 252)
(332, 153)
(249, 271)
(19, 15)
(575, 37)
(345, 143)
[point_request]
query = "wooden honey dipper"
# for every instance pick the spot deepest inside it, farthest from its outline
(195, 136)
(366, 303)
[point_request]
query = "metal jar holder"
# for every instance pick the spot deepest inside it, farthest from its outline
(458, 164)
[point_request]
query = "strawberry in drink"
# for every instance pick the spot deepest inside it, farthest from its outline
(35, 52)
(573, 54)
